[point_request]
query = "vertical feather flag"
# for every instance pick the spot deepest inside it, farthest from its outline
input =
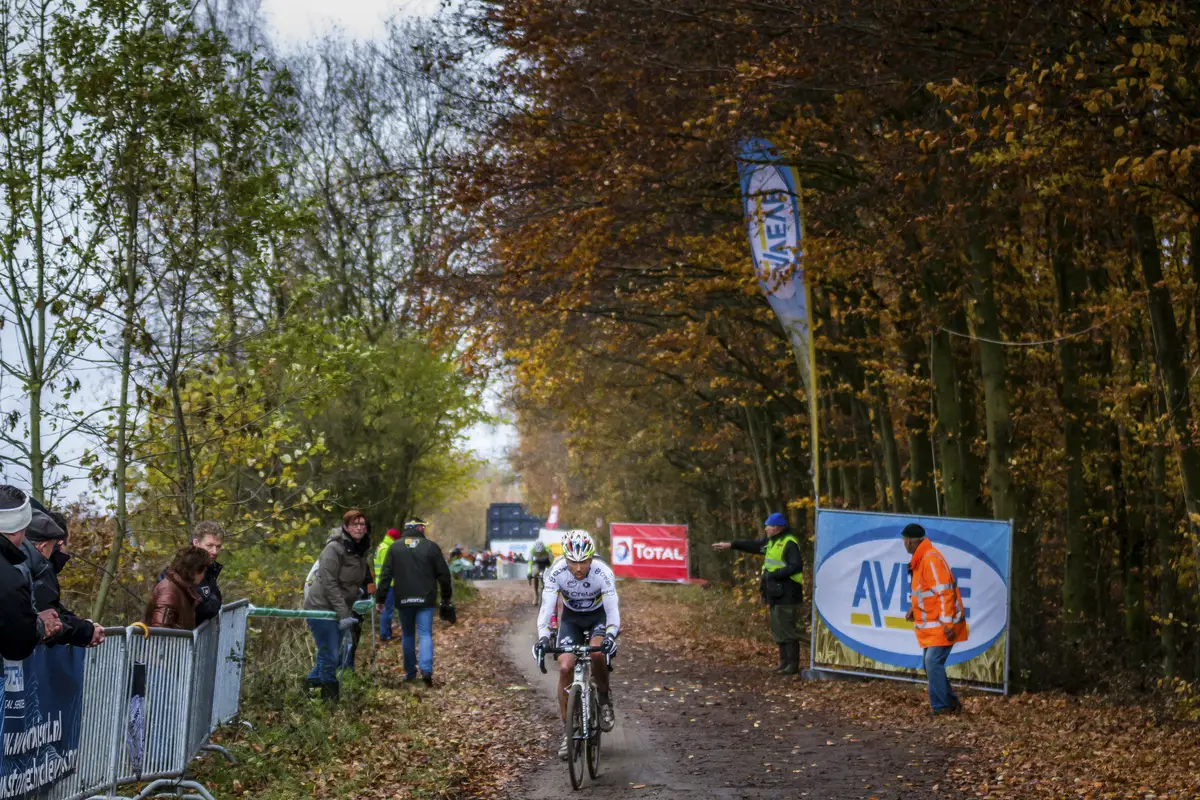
(771, 200)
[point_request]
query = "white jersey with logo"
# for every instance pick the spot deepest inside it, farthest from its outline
(597, 590)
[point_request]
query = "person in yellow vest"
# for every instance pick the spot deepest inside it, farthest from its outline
(782, 585)
(938, 616)
(389, 602)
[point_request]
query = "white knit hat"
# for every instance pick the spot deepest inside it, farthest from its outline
(15, 520)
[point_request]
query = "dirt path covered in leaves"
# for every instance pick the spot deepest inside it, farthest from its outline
(686, 728)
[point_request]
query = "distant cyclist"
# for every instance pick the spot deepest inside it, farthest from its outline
(590, 614)
(539, 560)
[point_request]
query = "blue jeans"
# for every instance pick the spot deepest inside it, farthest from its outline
(325, 633)
(385, 619)
(422, 620)
(941, 696)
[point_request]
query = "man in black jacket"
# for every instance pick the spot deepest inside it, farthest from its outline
(781, 584)
(418, 568)
(209, 536)
(21, 627)
(46, 548)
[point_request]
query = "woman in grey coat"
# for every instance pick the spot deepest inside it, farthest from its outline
(342, 569)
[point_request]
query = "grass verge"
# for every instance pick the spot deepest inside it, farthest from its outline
(467, 737)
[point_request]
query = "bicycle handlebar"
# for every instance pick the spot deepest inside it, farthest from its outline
(577, 650)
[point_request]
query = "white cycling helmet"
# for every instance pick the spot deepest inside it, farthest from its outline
(578, 545)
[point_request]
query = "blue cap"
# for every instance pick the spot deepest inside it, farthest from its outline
(777, 519)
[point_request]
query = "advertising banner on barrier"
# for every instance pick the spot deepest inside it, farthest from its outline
(862, 586)
(43, 698)
(649, 552)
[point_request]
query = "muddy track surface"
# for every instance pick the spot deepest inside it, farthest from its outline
(688, 730)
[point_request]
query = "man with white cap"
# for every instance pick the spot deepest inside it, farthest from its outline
(21, 627)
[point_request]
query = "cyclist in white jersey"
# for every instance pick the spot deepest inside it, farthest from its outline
(590, 613)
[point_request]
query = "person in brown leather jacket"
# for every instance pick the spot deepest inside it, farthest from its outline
(173, 604)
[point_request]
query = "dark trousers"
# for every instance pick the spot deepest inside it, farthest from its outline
(786, 622)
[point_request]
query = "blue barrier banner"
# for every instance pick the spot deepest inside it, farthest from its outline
(43, 699)
(862, 594)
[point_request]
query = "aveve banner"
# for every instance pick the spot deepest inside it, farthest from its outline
(863, 586)
(649, 552)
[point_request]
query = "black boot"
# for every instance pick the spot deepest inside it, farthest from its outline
(331, 692)
(428, 680)
(783, 657)
(793, 659)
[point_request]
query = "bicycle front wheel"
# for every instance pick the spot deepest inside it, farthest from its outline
(593, 740)
(575, 742)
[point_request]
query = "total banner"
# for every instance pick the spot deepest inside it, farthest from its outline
(43, 699)
(862, 594)
(650, 552)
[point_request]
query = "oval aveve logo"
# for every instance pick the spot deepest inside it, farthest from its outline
(863, 594)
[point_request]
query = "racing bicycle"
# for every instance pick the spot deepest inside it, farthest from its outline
(583, 713)
(539, 583)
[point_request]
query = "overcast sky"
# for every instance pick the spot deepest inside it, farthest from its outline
(293, 22)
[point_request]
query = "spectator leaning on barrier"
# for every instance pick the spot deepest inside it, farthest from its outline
(46, 546)
(389, 602)
(418, 568)
(342, 570)
(781, 584)
(938, 616)
(173, 603)
(21, 627)
(210, 537)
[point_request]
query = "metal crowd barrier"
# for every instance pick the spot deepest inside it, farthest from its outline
(231, 653)
(153, 696)
(506, 570)
(102, 719)
(192, 684)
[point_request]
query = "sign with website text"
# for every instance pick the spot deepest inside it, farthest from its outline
(43, 699)
(862, 595)
(649, 552)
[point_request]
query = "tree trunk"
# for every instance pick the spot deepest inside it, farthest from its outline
(1075, 574)
(972, 464)
(887, 441)
(948, 429)
(865, 455)
(995, 390)
(1132, 539)
(1000, 445)
(1168, 588)
(756, 455)
(922, 487)
(121, 474)
(1168, 355)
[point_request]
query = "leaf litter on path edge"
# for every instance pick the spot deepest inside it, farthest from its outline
(1023, 746)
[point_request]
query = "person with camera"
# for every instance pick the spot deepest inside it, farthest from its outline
(414, 569)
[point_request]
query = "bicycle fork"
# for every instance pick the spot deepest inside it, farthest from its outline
(583, 678)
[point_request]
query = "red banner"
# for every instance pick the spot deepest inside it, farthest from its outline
(649, 552)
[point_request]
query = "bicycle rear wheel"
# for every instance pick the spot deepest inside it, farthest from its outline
(575, 743)
(593, 742)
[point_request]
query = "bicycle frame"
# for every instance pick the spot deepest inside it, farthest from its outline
(582, 679)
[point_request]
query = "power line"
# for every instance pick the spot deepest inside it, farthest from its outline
(1041, 342)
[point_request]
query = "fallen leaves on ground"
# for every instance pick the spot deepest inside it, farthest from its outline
(1025, 746)
(471, 736)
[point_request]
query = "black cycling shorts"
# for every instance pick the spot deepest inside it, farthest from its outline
(576, 628)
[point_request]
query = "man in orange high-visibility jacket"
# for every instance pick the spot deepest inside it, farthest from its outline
(938, 616)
